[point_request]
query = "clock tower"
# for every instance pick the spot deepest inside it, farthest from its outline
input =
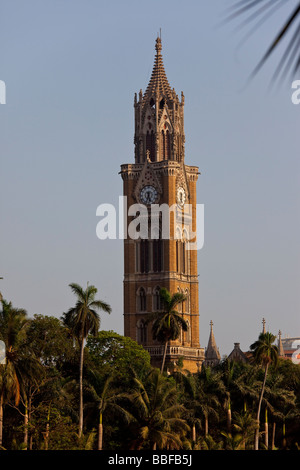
(160, 179)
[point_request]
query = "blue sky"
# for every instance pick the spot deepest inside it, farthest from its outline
(71, 69)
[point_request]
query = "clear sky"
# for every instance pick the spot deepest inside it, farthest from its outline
(71, 69)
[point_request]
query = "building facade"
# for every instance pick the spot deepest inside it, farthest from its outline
(159, 179)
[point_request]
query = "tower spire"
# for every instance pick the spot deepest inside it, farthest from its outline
(212, 355)
(159, 117)
(280, 345)
(158, 83)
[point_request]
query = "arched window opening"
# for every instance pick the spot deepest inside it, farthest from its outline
(157, 255)
(142, 300)
(150, 144)
(180, 305)
(144, 256)
(157, 302)
(188, 332)
(141, 328)
(165, 145)
(187, 302)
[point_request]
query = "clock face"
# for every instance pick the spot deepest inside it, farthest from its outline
(181, 197)
(148, 195)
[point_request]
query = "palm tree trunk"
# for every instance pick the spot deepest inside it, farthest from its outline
(164, 357)
(283, 436)
(100, 432)
(81, 388)
(206, 426)
(194, 433)
(26, 426)
(229, 417)
(259, 408)
(266, 430)
(1, 418)
(29, 420)
(273, 436)
(47, 430)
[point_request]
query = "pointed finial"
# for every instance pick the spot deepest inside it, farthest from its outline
(264, 325)
(158, 45)
(211, 325)
(280, 346)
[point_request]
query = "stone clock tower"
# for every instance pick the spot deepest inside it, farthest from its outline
(160, 178)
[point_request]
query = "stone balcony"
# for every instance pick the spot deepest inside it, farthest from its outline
(176, 351)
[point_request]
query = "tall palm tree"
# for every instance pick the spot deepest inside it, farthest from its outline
(167, 323)
(82, 320)
(265, 353)
(202, 393)
(158, 415)
(107, 399)
(12, 329)
(259, 11)
(210, 391)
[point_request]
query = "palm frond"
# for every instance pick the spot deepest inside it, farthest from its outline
(260, 11)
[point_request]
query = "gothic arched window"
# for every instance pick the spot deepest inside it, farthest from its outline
(141, 300)
(157, 255)
(144, 256)
(141, 332)
(157, 303)
(165, 146)
(188, 332)
(187, 301)
(180, 305)
(150, 144)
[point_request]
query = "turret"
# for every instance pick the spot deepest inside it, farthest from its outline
(159, 117)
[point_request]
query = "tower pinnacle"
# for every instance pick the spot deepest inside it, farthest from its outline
(280, 346)
(212, 354)
(159, 117)
(158, 45)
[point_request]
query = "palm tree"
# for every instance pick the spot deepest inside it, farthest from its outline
(12, 329)
(107, 399)
(82, 320)
(209, 392)
(265, 353)
(232, 441)
(208, 443)
(245, 425)
(259, 11)
(168, 323)
(157, 412)
(201, 398)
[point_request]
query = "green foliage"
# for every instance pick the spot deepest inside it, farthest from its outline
(111, 351)
(136, 405)
(49, 340)
(158, 414)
